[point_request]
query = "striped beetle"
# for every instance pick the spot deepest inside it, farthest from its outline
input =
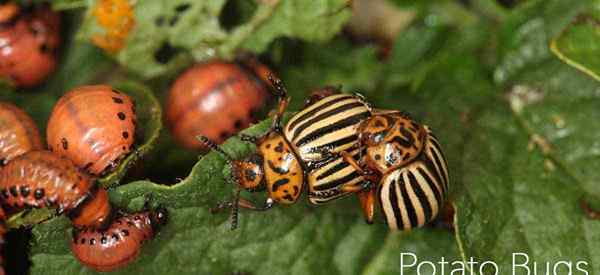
(406, 162)
(305, 150)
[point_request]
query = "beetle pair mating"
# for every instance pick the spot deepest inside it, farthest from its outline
(338, 145)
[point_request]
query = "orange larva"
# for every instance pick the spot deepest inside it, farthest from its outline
(94, 126)
(30, 40)
(18, 133)
(215, 99)
(120, 243)
(40, 179)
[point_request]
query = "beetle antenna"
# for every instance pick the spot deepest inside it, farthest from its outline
(213, 146)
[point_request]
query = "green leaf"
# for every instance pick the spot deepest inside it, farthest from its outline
(527, 32)
(161, 41)
(578, 45)
(352, 68)
(534, 188)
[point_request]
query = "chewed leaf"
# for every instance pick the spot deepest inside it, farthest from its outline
(149, 117)
(154, 38)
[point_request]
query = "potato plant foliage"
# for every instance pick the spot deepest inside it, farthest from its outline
(511, 92)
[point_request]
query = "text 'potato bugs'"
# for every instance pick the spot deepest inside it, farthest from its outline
(120, 243)
(40, 179)
(18, 133)
(215, 99)
(30, 41)
(94, 126)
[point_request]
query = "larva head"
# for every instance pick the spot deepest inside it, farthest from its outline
(158, 217)
(392, 139)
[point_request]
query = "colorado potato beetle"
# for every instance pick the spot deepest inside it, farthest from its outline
(29, 43)
(404, 161)
(40, 179)
(302, 151)
(119, 244)
(18, 133)
(215, 99)
(94, 126)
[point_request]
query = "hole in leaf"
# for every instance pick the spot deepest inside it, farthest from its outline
(236, 13)
(182, 7)
(165, 53)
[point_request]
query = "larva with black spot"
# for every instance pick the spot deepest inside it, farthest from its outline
(30, 41)
(216, 99)
(119, 244)
(41, 179)
(94, 126)
(18, 133)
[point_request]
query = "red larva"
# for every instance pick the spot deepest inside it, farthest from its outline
(18, 133)
(120, 243)
(94, 126)
(216, 100)
(29, 44)
(40, 179)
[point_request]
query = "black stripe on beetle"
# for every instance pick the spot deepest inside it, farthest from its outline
(422, 198)
(329, 114)
(393, 198)
(349, 121)
(410, 210)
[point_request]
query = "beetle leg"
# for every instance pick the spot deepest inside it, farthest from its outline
(246, 204)
(238, 203)
(367, 203)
